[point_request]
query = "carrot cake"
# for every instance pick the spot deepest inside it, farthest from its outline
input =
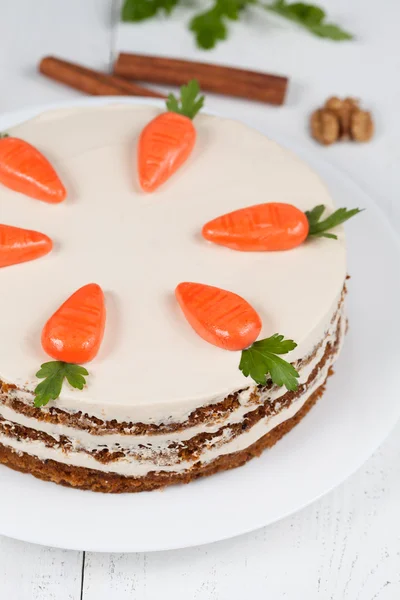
(161, 398)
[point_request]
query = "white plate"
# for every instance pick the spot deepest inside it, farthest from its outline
(357, 412)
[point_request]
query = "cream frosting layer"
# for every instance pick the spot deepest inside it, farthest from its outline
(152, 367)
(146, 454)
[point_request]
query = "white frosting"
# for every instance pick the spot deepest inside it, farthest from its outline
(134, 468)
(159, 456)
(117, 441)
(152, 367)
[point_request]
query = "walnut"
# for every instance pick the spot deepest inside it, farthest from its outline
(341, 120)
(362, 126)
(324, 126)
(333, 103)
(344, 110)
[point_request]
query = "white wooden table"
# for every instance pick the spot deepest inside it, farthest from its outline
(346, 545)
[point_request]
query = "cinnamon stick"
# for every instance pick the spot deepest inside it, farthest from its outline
(90, 81)
(230, 81)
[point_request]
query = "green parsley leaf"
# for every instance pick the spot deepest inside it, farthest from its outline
(331, 32)
(298, 11)
(315, 214)
(140, 10)
(3, 135)
(319, 228)
(210, 26)
(261, 359)
(53, 374)
(331, 236)
(189, 103)
(310, 17)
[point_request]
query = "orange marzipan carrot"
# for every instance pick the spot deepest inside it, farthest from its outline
(21, 245)
(24, 169)
(164, 145)
(168, 140)
(270, 226)
(222, 318)
(75, 331)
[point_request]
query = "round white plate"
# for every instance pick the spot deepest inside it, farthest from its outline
(357, 412)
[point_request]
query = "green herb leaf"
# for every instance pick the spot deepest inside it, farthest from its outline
(53, 374)
(209, 27)
(140, 10)
(172, 104)
(315, 214)
(331, 236)
(261, 359)
(310, 17)
(4, 135)
(189, 103)
(298, 11)
(331, 32)
(318, 228)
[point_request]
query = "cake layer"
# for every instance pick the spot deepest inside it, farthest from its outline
(53, 420)
(260, 410)
(97, 481)
(152, 369)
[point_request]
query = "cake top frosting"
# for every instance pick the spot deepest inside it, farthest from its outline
(138, 247)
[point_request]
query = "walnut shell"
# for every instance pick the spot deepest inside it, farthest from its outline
(362, 126)
(324, 126)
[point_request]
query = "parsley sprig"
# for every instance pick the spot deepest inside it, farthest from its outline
(189, 102)
(310, 17)
(210, 26)
(53, 373)
(262, 359)
(139, 10)
(320, 228)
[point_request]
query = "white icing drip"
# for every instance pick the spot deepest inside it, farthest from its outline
(217, 447)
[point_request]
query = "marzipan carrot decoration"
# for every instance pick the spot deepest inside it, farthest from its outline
(272, 226)
(24, 169)
(72, 335)
(218, 316)
(20, 245)
(226, 320)
(167, 141)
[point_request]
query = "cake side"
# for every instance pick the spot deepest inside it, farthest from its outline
(94, 480)
(153, 460)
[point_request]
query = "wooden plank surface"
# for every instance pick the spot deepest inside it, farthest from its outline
(347, 545)
(344, 547)
(29, 572)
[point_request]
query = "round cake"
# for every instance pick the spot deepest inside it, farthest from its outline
(160, 404)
